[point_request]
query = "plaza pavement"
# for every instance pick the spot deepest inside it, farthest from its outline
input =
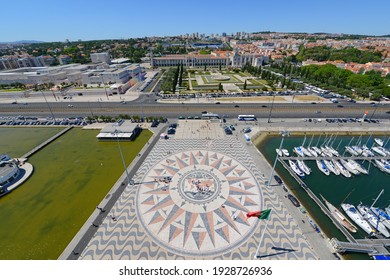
(190, 199)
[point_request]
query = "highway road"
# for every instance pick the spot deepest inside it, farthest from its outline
(147, 106)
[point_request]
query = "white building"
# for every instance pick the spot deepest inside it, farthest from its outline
(100, 58)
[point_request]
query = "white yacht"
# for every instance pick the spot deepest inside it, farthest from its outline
(296, 170)
(298, 151)
(367, 152)
(285, 152)
(365, 211)
(378, 141)
(317, 150)
(342, 169)
(354, 214)
(332, 151)
(322, 167)
(358, 150)
(312, 151)
(380, 151)
(351, 151)
(331, 167)
(325, 152)
(357, 166)
(279, 152)
(306, 152)
(382, 166)
(349, 167)
(303, 167)
(387, 209)
(378, 213)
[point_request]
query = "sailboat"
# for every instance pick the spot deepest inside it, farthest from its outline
(331, 167)
(322, 167)
(357, 166)
(342, 169)
(302, 166)
(382, 166)
(310, 149)
(379, 141)
(285, 152)
(380, 151)
(349, 167)
(354, 214)
(375, 222)
(296, 170)
(298, 151)
(387, 209)
(381, 215)
(372, 218)
(340, 218)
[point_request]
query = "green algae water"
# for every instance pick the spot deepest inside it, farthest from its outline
(71, 176)
(336, 189)
(17, 141)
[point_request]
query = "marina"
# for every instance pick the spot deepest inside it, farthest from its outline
(351, 169)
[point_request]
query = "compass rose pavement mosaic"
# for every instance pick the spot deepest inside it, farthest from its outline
(189, 201)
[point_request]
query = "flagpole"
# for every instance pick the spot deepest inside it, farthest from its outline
(261, 241)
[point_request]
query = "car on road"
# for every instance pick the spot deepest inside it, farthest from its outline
(190, 117)
(70, 105)
(181, 118)
(217, 102)
(340, 106)
(236, 106)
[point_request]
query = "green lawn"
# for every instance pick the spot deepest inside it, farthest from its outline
(71, 176)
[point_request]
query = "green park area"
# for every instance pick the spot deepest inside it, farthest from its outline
(71, 177)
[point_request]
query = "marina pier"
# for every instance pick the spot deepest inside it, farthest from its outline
(48, 141)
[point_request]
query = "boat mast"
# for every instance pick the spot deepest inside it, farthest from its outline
(384, 145)
(377, 197)
(311, 140)
(378, 218)
(339, 144)
(346, 197)
(304, 140)
(318, 141)
(358, 141)
(368, 140)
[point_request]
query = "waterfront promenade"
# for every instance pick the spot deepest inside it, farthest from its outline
(137, 215)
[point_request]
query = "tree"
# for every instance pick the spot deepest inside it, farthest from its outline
(245, 85)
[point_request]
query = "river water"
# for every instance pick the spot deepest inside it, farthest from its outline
(336, 189)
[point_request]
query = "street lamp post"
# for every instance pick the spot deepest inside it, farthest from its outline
(123, 159)
(270, 111)
(372, 115)
(48, 105)
(104, 85)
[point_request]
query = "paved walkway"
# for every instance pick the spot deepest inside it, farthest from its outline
(189, 202)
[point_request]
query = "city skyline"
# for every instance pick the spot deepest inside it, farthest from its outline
(98, 20)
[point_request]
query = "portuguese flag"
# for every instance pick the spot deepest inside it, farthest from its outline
(262, 215)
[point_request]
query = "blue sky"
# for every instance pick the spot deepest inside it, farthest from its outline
(102, 19)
